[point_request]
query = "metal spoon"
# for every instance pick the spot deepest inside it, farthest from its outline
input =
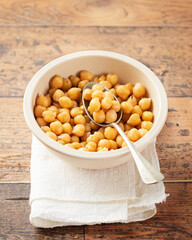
(148, 173)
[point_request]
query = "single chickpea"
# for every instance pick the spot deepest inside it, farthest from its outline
(82, 84)
(99, 116)
(126, 107)
(44, 101)
(61, 110)
(99, 135)
(56, 127)
(102, 78)
(83, 144)
(147, 116)
(79, 119)
(45, 129)
(66, 138)
(102, 149)
(74, 80)
(74, 139)
(48, 116)
(112, 78)
(95, 79)
(106, 103)
(79, 130)
(123, 92)
(85, 136)
(76, 145)
(65, 102)
(87, 127)
(94, 126)
(124, 144)
(61, 142)
(52, 91)
(134, 119)
(91, 146)
(53, 109)
(64, 117)
(119, 141)
(56, 82)
(117, 85)
(74, 104)
(132, 99)
(93, 138)
(66, 84)
(137, 109)
(142, 132)
(97, 94)
(109, 94)
(70, 145)
(113, 145)
(97, 87)
(94, 105)
(121, 125)
(130, 87)
(74, 93)
(41, 122)
(125, 117)
(67, 128)
(111, 116)
(102, 129)
(127, 127)
(76, 111)
(104, 143)
(110, 133)
(87, 94)
(133, 134)
(145, 103)
(113, 91)
(116, 106)
(146, 125)
(39, 110)
(138, 90)
(86, 75)
(58, 94)
(106, 84)
(83, 149)
(52, 135)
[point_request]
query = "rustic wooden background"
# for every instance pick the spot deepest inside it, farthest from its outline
(157, 33)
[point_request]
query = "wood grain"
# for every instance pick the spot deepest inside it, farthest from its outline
(167, 51)
(174, 144)
(100, 13)
(172, 221)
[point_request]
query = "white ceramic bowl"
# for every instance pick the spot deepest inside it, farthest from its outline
(98, 62)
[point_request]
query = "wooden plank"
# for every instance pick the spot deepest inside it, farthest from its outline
(91, 13)
(174, 144)
(172, 221)
(24, 50)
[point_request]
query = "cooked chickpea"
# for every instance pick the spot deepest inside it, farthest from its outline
(74, 80)
(39, 110)
(67, 128)
(113, 145)
(52, 135)
(86, 75)
(82, 84)
(120, 99)
(70, 145)
(76, 145)
(106, 103)
(53, 109)
(106, 84)
(45, 129)
(130, 87)
(41, 122)
(52, 91)
(94, 126)
(109, 94)
(74, 93)
(147, 116)
(142, 132)
(119, 141)
(74, 139)
(102, 78)
(61, 110)
(102, 149)
(94, 105)
(138, 90)
(87, 127)
(126, 107)
(146, 125)
(145, 103)
(65, 137)
(83, 144)
(104, 143)
(112, 78)
(66, 84)
(48, 116)
(97, 87)
(99, 135)
(113, 91)
(132, 99)
(134, 119)
(93, 138)
(123, 92)
(79, 130)
(56, 104)
(127, 127)
(124, 144)
(87, 119)
(85, 136)
(99, 116)
(102, 129)
(76, 111)
(58, 94)
(110, 133)
(121, 125)
(64, 117)
(133, 134)
(87, 94)
(97, 94)
(44, 101)
(111, 116)
(91, 146)
(74, 104)
(95, 79)
(137, 109)
(56, 127)
(65, 102)
(61, 142)
(56, 82)
(79, 119)
(116, 106)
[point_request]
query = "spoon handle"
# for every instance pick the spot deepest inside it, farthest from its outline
(148, 173)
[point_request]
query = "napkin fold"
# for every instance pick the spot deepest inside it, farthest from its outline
(62, 194)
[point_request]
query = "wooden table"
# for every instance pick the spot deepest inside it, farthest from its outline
(157, 33)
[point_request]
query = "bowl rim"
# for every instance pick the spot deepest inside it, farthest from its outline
(140, 144)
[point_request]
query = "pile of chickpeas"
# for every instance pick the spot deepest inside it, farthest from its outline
(61, 115)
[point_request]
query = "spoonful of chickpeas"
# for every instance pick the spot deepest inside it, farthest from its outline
(104, 109)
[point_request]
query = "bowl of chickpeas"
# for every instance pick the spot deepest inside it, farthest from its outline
(54, 110)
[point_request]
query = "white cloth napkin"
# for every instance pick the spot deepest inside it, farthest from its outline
(64, 195)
